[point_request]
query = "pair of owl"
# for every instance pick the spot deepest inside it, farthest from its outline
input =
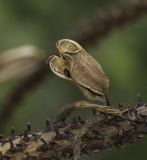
(78, 66)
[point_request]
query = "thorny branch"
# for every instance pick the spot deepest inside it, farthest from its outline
(56, 142)
(100, 25)
(94, 29)
(16, 95)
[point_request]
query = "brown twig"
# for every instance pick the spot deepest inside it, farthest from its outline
(111, 132)
(94, 29)
(106, 21)
(16, 95)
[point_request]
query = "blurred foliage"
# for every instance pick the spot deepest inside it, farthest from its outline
(122, 55)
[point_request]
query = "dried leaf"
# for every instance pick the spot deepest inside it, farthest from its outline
(60, 67)
(84, 70)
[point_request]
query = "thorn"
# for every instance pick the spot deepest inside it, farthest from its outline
(12, 133)
(11, 144)
(44, 146)
(25, 135)
(139, 100)
(47, 124)
(29, 127)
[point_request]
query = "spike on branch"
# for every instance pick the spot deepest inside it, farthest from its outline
(98, 134)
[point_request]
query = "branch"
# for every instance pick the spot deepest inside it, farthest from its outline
(100, 25)
(56, 142)
(91, 31)
(15, 96)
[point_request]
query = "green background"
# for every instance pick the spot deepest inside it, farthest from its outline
(122, 55)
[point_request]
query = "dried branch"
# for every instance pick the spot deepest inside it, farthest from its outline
(111, 132)
(106, 21)
(94, 29)
(16, 95)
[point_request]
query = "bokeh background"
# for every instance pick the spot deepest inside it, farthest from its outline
(122, 54)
